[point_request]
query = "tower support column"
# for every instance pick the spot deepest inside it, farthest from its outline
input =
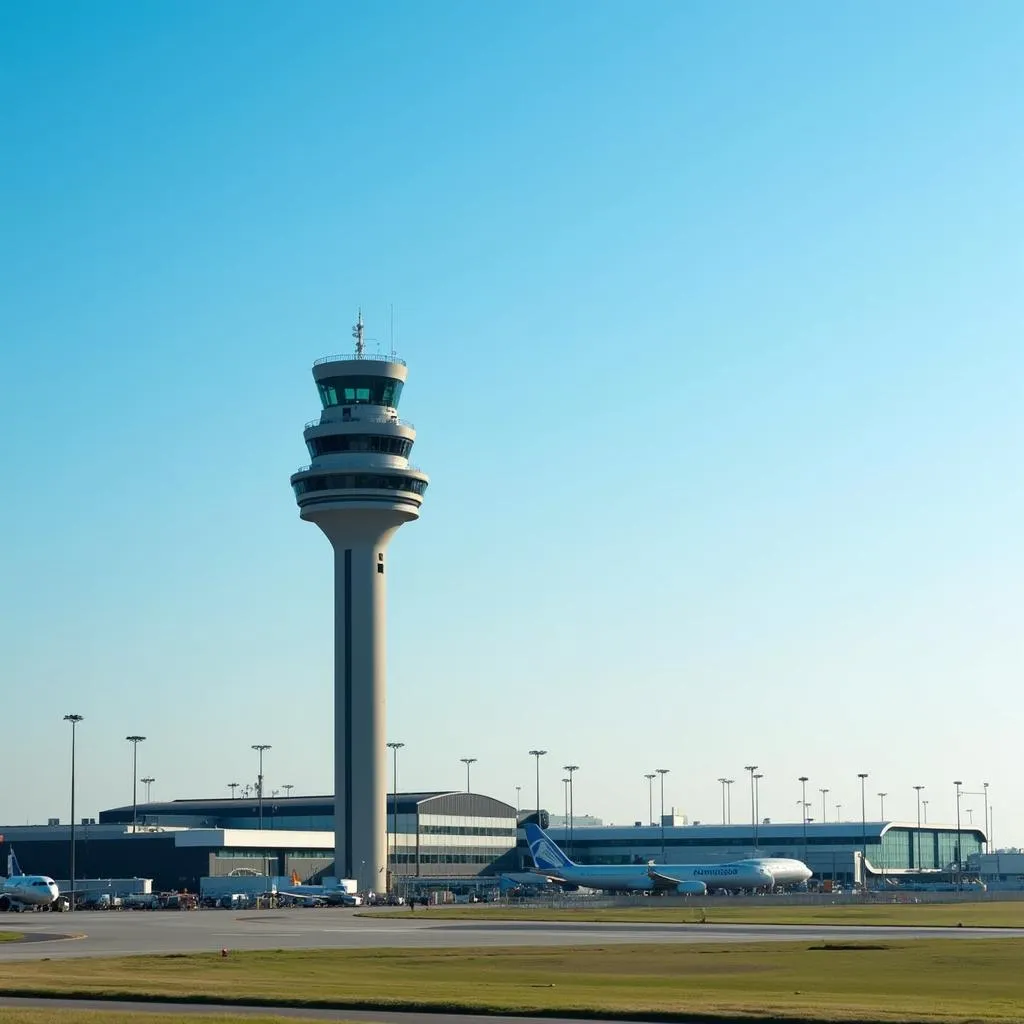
(360, 700)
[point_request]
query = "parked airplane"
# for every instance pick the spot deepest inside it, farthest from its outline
(785, 870)
(19, 891)
(693, 879)
(318, 895)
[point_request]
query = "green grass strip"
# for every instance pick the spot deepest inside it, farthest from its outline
(946, 915)
(24, 1015)
(899, 981)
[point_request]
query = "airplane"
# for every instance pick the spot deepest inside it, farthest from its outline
(688, 879)
(317, 895)
(785, 870)
(19, 891)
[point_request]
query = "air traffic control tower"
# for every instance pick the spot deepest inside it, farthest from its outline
(359, 489)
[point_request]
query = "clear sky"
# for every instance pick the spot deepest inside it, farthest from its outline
(713, 315)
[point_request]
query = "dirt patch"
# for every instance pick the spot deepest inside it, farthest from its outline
(850, 947)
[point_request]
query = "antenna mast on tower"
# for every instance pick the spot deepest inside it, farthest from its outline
(357, 333)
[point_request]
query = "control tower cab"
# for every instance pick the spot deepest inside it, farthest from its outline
(359, 489)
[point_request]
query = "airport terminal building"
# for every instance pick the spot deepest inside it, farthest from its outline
(832, 850)
(449, 839)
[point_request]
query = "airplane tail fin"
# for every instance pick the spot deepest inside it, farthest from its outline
(13, 867)
(544, 850)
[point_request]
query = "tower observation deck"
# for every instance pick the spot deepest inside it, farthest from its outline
(359, 489)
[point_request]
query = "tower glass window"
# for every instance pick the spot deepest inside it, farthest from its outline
(347, 481)
(360, 391)
(359, 443)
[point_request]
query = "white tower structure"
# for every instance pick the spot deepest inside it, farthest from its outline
(359, 489)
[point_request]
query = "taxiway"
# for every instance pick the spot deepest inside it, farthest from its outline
(138, 932)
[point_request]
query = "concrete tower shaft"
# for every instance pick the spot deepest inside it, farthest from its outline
(359, 488)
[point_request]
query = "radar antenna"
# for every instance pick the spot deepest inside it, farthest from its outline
(357, 333)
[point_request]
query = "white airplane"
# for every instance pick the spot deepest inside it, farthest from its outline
(19, 891)
(785, 870)
(690, 879)
(315, 895)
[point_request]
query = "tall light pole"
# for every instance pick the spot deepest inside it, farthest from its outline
(803, 780)
(650, 777)
(518, 792)
(881, 840)
(259, 748)
(74, 720)
(824, 793)
(147, 782)
(565, 802)
(959, 862)
(662, 772)
(233, 786)
(863, 832)
(571, 769)
(918, 791)
(135, 741)
(395, 748)
(728, 800)
(538, 754)
(988, 841)
(753, 809)
(723, 781)
(758, 776)
(288, 787)
(839, 812)
(924, 804)
(467, 761)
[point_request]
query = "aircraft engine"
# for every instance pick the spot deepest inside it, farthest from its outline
(692, 888)
(5, 903)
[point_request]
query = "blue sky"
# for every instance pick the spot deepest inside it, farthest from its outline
(713, 319)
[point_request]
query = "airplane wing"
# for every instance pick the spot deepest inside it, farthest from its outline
(663, 879)
(548, 876)
(302, 895)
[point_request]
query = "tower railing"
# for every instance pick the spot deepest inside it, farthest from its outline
(360, 419)
(345, 357)
(358, 469)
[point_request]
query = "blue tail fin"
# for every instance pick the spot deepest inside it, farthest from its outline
(545, 852)
(13, 867)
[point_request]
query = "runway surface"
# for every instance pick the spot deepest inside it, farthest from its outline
(133, 932)
(256, 1012)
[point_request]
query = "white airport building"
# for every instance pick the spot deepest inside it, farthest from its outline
(447, 839)
(832, 850)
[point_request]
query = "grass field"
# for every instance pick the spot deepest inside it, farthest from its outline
(11, 936)
(19, 1016)
(931, 980)
(970, 915)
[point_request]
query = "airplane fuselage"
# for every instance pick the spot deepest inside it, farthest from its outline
(645, 878)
